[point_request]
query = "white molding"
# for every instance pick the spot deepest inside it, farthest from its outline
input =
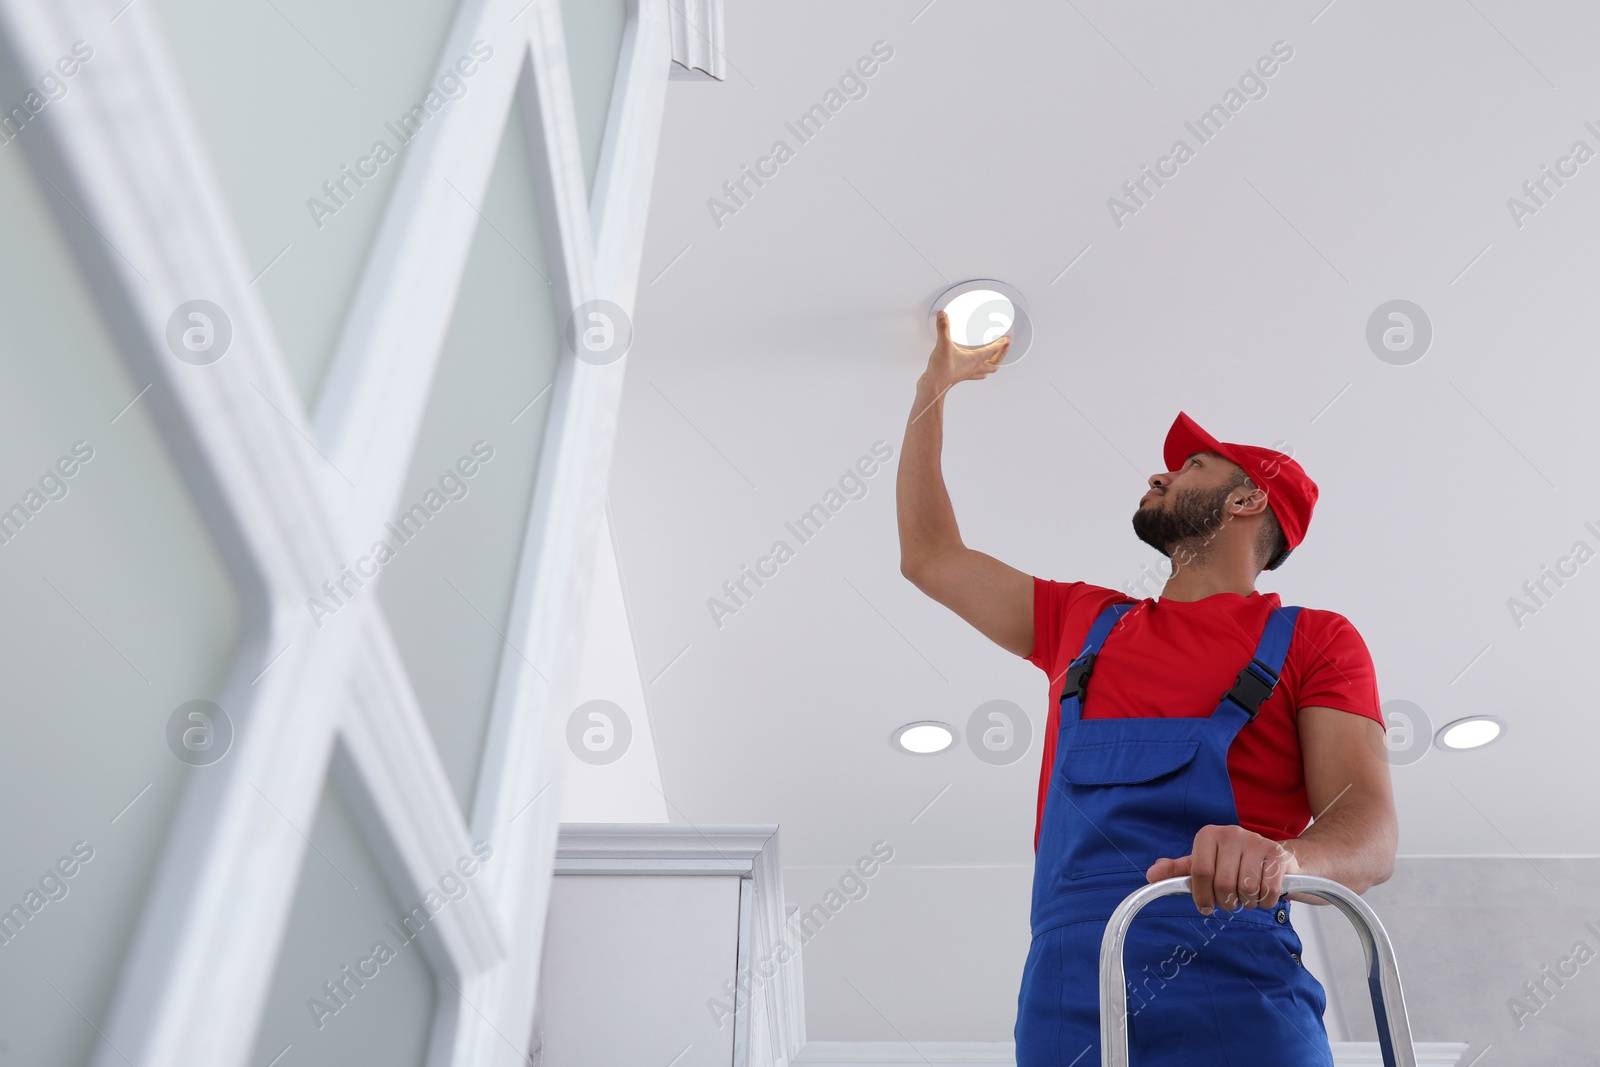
(996, 1053)
(625, 175)
(778, 1019)
(698, 40)
(663, 848)
(146, 217)
(388, 769)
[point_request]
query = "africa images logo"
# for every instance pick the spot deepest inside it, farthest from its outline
(453, 484)
(1252, 85)
(852, 86)
(451, 85)
(339, 991)
(853, 485)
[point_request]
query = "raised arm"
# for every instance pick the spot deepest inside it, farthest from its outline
(994, 598)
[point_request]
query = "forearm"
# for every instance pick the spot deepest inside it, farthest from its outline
(927, 519)
(1354, 844)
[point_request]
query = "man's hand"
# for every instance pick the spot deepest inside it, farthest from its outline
(950, 363)
(1232, 867)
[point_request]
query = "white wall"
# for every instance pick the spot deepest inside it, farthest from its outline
(629, 965)
(628, 788)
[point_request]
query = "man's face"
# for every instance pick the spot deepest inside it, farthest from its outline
(1187, 505)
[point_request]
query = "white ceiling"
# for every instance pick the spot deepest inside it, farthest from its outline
(780, 347)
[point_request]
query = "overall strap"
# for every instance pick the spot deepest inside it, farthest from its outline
(1260, 676)
(1077, 681)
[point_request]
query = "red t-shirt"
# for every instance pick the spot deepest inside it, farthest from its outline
(1176, 658)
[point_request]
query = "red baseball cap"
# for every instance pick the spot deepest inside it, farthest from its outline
(1291, 494)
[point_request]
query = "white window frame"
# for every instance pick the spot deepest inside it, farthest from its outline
(142, 208)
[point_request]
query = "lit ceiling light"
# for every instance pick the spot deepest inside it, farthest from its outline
(978, 316)
(1475, 731)
(982, 310)
(923, 738)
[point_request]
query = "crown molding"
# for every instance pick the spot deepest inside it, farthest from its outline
(697, 40)
(662, 848)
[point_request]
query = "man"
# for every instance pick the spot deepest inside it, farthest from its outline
(1225, 737)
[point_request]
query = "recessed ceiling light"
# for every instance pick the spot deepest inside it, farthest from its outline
(982, 310)
(978, 316)
(1475, 731)
(923, 738)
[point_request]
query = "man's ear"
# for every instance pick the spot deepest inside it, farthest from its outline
(1253, 504)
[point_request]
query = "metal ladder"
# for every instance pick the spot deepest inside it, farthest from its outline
(1383, 976)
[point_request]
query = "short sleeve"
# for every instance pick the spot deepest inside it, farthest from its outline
(1061, 609)
(1047, 618)
(1336, 668)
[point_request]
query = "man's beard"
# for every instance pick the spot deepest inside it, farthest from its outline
(1190, 519)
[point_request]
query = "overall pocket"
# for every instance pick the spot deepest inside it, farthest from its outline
(1125, 803)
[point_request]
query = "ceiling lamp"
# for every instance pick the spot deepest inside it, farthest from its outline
(982, 310)
(923, 738)
(1474, 731)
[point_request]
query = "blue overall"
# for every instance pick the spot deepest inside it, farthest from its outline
(1224, 990)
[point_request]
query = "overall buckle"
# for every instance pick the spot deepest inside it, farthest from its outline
(1078, 678)
(1250, 689)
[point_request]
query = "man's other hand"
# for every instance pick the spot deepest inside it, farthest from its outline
(1230, 867)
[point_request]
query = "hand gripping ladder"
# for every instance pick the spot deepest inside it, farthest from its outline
(1383, 977)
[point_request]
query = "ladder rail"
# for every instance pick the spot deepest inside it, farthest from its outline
(1383, 974)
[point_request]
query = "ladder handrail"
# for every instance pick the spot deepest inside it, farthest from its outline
(1383, 975)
